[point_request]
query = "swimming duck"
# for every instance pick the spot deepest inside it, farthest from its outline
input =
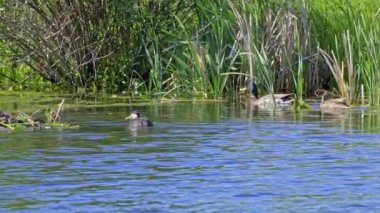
(268, 100)
(331, 103)
(137, 121)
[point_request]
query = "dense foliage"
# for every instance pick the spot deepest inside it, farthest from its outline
(193, 48)
(88, 44)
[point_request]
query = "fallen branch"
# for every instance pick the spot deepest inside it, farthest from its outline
(57, 116)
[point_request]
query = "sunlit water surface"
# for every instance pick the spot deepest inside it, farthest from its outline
(205, 157)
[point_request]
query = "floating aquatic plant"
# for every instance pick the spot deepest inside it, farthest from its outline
(21, 120)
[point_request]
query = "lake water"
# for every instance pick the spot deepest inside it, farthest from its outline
(199, 157)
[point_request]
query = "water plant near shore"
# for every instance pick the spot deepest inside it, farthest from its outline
(21, 120)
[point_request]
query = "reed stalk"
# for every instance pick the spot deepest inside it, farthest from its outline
(366, 37)
(337, 70)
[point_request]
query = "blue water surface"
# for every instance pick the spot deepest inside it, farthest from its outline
(205, 157)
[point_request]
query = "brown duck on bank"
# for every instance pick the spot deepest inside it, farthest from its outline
(331, 103)
(268, 100)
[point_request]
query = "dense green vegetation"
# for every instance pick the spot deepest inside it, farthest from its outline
(199, 48)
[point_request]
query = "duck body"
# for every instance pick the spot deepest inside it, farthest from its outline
(336, 103)
(331, 103)
(269, 100)
(272, 101)
(135, 120)
(141, 122)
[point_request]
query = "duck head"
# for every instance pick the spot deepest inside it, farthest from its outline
(321, 93)
(133, 115)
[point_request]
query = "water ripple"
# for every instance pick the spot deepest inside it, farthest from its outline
(231, 164)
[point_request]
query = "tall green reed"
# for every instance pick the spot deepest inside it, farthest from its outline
(273, 43)
(366, 37)
(342, 69)
(202, 61)
(250, 39)
(154, 58)
(349, 35)
(207, 53)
